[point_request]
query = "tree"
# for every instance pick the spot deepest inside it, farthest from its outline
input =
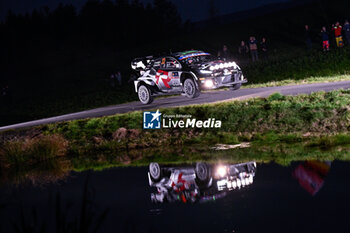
(167, 14)
(212, 9)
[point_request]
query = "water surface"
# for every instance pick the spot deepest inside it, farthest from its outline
(118, 200)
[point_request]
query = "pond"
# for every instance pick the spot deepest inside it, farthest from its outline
(308, 196)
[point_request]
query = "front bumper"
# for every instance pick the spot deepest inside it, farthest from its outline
(208, 83)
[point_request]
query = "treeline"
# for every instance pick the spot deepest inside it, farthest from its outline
(118, 23)
(60, 58)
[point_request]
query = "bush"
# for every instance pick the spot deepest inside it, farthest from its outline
(32, 150)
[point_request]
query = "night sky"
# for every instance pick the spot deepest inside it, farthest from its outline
(195, 10)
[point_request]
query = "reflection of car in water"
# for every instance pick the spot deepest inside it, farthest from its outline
(186, 72)
(200, 182)
(311, 175)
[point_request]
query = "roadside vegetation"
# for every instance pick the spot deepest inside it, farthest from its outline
(278, 128)
(309, 80)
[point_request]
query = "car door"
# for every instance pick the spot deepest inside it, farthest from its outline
(173, 67)
(168, 73)
(161, 77)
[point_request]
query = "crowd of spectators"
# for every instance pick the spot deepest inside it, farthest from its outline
(338, 36)
(250, 50)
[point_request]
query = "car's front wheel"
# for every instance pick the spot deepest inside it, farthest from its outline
(145, 95)
(235, 86)
(203, 172)
(190, 88)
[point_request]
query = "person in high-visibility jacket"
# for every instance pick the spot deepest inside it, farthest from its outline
(337, 28)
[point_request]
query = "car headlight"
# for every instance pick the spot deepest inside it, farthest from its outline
(251, 179)
(209, 83)
(221, 171)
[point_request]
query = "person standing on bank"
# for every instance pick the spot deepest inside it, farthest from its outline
(325, 39)
(243, 50)
(346, 30)
(337, 29)
(263, 47)
(253, 48)
(307, 36)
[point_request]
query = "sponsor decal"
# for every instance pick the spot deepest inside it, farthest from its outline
(152, 120)
(164, 80)
(175, 74)
(166, 77)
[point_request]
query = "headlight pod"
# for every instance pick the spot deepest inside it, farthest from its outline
(224, 65)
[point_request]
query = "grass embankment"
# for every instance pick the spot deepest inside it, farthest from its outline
(309, 80)
(280, 128)
(300, 68)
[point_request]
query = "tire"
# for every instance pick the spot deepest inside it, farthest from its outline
(236, 86)
(202, 172)
(190, 88)
(145, 95)
(155, 171)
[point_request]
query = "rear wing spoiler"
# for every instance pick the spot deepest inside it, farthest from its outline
(139, 64)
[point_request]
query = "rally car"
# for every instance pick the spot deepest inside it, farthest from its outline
(201, 182)
(186, 72)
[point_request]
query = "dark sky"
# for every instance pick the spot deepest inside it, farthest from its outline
(195, 10)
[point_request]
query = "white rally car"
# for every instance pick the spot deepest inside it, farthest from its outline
(186, 72)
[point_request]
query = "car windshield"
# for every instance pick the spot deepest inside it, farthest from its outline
(196, 58)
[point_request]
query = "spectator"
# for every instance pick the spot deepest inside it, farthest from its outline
(346, 30)
(5, 95)
(337, 28)
(253, 47)
(263, 47)
(132, 78)
(325, 39)
(113, 80)
(307, 36)
(4, 91)
(118, 76)
(243, 50)
(224, 53)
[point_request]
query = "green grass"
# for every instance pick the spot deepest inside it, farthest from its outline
(31, 151)
(300, 66)
(308, 80)
(317, 113)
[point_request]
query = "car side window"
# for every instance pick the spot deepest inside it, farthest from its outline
(156, 64)
(172, 64)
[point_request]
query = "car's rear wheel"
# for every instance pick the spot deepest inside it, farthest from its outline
(235, 86)
(145, 95)
(155, 171)
(190, 88)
